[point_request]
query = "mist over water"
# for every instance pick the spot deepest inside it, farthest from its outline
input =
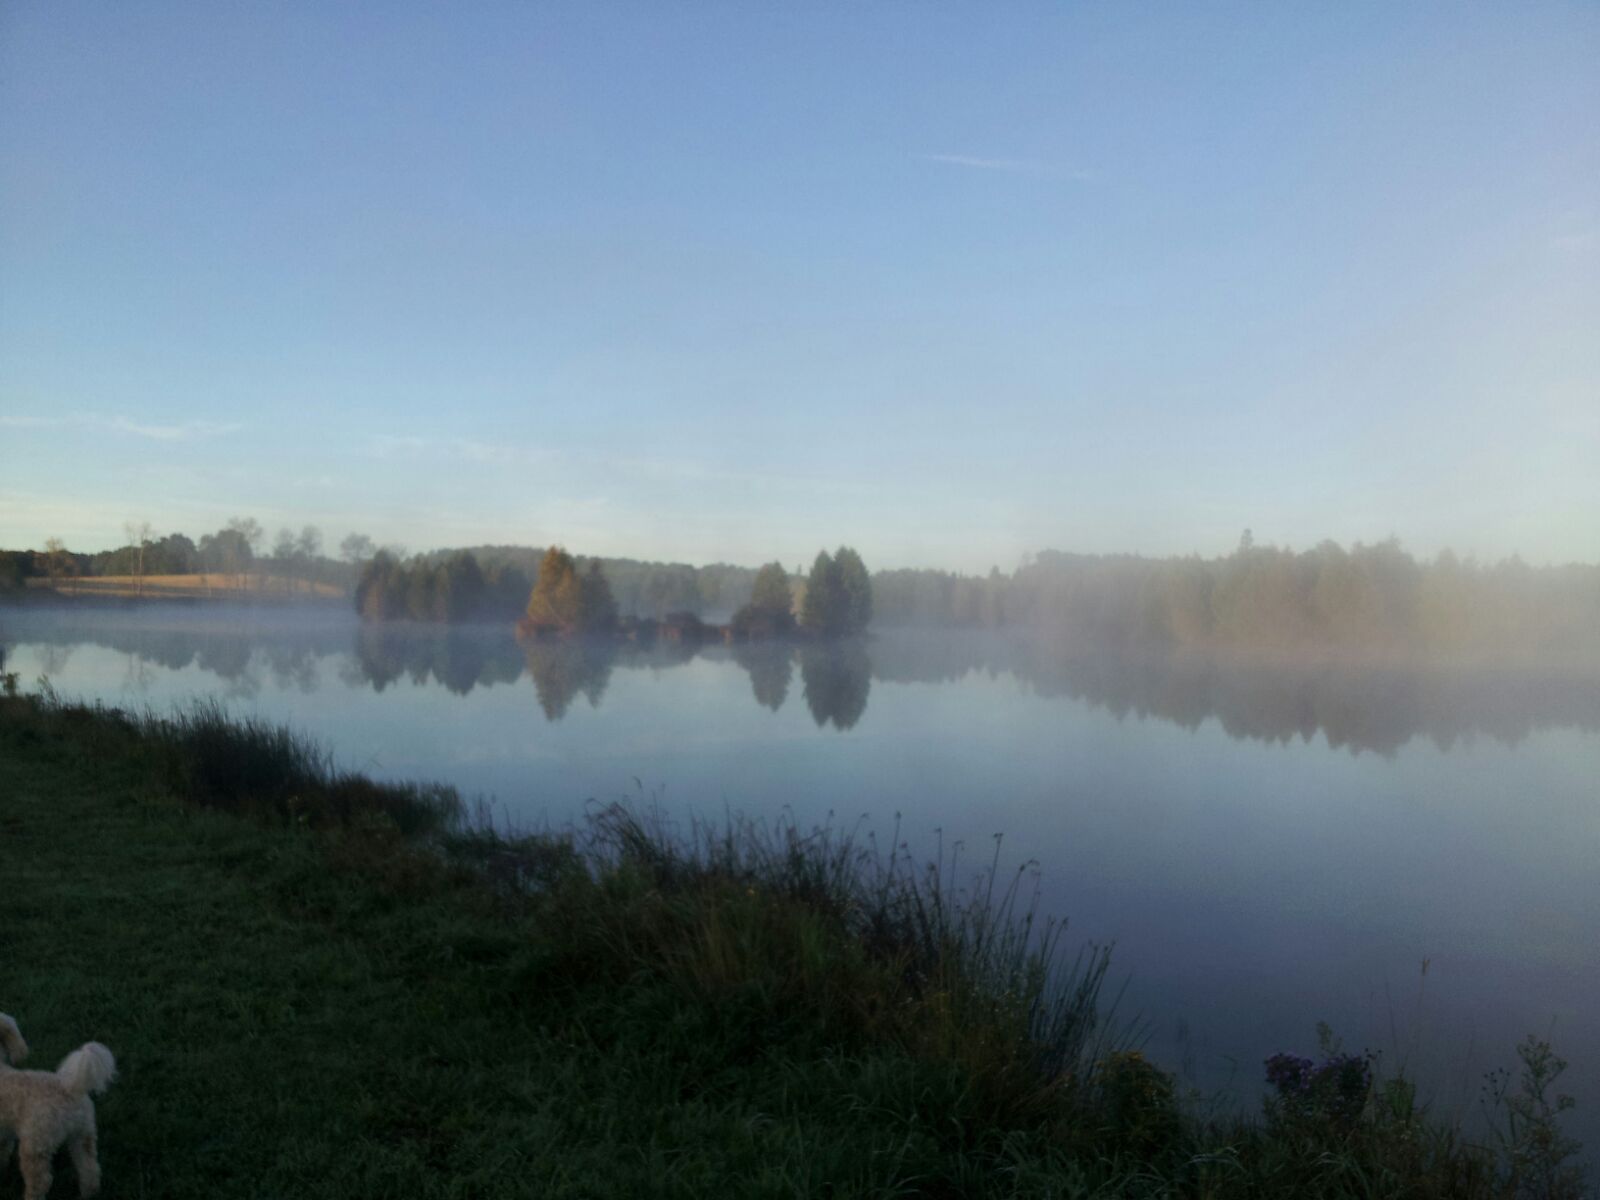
(1377, 706)
(1269, 843)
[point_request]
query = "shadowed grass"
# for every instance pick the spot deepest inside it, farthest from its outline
(207, 757)
(407, 1003)
(246, 765)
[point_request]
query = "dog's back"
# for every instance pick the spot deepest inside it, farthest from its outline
(31, 1095)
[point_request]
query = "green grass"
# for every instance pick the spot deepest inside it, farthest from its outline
(318, 985)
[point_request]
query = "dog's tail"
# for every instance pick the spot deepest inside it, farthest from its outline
(87, 1070)
(11, 1041)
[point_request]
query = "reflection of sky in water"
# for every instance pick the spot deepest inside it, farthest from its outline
(1254, 884)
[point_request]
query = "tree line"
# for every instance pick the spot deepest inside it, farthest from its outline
(1370, 596)
(236, 552)
(454, 589)
(641, 588)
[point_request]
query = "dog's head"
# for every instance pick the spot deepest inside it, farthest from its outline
(12, 1048)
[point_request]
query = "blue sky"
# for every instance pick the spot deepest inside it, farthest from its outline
(951, 283)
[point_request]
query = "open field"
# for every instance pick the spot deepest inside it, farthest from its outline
(322, 986)
(192, 587)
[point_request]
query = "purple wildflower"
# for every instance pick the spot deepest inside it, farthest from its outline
(1289, 1073)
(1336, 1089)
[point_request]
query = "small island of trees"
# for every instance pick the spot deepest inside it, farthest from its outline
(575, 597)
(570, 596)
(835, 600)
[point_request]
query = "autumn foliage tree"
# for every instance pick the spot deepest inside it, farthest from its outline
(569, 600)
(553, 603)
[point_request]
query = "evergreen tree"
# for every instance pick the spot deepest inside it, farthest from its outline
(824, 608)
(771, 608)
(420, 592)
(857, 588)
(372, 589)
(507, 592)
(460, 589)
(771, 593)
(838, 596)
(597, 608)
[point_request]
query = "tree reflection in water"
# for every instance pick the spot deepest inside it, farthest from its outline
(459, 658)
(1375, 707)
(564, 668)
(771, 668)
(837, 677)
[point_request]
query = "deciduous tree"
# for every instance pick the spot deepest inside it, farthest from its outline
(307, 550)
(356, 548)
(139, 537)
(555, 601)
(57, 560)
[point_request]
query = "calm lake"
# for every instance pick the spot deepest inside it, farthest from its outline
(1267, 846)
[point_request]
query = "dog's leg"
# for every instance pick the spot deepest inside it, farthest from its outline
(7, 1145)
(35, 1172)
(87, 1166)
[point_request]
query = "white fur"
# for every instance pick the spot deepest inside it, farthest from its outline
(42, 1111)
(88, 1070)
(16, 1050)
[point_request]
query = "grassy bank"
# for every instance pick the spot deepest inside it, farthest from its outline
(322, 986)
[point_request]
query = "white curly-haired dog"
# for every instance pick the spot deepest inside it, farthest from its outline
(41, 1111)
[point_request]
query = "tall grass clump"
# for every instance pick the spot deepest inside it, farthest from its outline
(963, 969)
(211, 758)
(251, 766)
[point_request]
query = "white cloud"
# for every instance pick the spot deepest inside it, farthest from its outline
(503, 453)
(1576, 242)
(386, 445)
(186, 431)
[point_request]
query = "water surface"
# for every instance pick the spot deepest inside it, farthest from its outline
(1268, 845)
